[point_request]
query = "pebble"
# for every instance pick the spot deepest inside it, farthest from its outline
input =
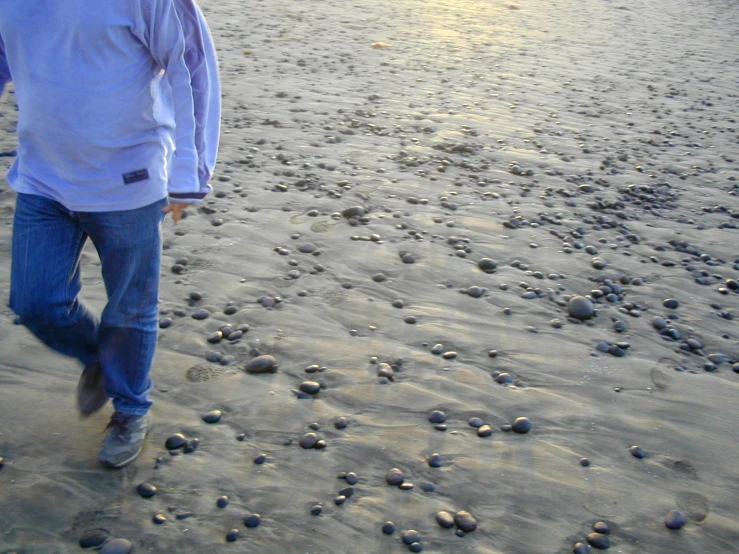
(487, 265)
(159, 518)
(521, 425)
(601, 527)
(352, 478)
(637, 452)
(580, 548)
(175, 441)
(395, 477)
(309, 440)
(252, 520)
(310, 387)
(259, 459)
(599, 541)
(200, 314)
(580, 308)
(388, 528)
(484, 431)
(476, 422)
(341, 422)
(117, 546)
(232, 535)
(465, 521)
(213, 416)
(262, 364)
(675, 519)
(671, 303)
(94, 538)
(445, 519)
(437, 416)
(316, 510)
(434, 460)
(410, 536)
(584, 462)
(146, 490)
(191, 446)
(222, 501)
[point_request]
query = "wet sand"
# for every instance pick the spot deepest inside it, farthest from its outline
(373, 153)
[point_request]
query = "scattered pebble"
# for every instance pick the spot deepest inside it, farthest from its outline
(465, 521)
(395, 477)
(521, 425)
(445, 519)
(637, 452)
(262, 364)
(94, 538)
(675, 519)
(146, 490)
(252, 520)
(599, 541)
(117, 546)
(213, 416)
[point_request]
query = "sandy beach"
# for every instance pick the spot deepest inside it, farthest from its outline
(436, 217)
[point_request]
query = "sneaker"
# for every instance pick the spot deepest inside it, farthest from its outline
(91, 394)
(124, 439)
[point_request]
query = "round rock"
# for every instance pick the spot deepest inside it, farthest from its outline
(309, 440)
(175, 441)
(117, 546)
(200, 314)
(262, 364)
(232, 535)
(675, 519)
(484, 430)
(395, 476)
(437, 416)
(521, 425)
(213, 416)
(311, 387)
(599, 541)
(465, 521)
(252, 520)
(388, 528)
(445, 519)
(580, 307)
(146, 490)
(637, 452)
(94, 538)
(410, 536)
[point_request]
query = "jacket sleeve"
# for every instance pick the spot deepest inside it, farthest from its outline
(5, 76)
(180, 41)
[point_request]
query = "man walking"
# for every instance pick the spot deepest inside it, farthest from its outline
(118, 124)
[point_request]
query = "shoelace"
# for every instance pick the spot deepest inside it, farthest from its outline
(119, 424)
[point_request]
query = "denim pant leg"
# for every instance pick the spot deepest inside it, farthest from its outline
(45, 277)
(129, 243)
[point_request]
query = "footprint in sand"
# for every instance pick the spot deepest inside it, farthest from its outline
(203, 372)
(322, 226)
(661, 374)
(694, 505)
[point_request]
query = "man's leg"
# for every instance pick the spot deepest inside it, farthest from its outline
(129, 244)
(45, 277)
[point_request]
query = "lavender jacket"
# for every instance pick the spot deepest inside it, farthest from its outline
(118, 102)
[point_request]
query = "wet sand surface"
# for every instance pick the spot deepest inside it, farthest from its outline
(411, 201)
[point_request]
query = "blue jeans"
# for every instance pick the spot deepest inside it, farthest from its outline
(46, 280)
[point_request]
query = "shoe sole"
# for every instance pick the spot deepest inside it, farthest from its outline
(118, 465)
(91, 395)
(111, 465)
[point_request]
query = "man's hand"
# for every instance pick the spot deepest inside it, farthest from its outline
(175, 208)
